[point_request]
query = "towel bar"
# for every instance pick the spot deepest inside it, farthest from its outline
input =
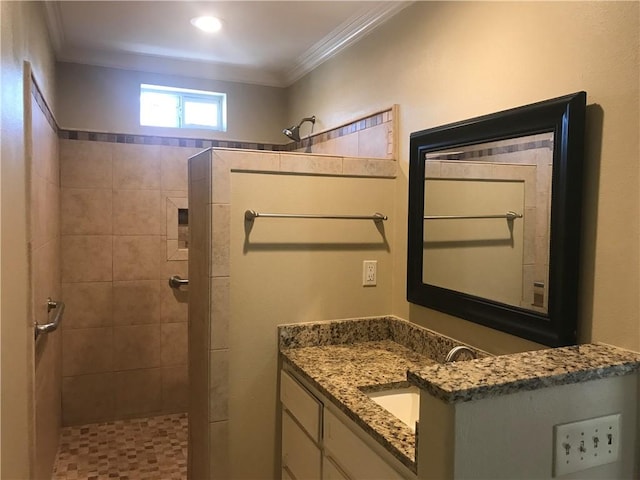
(250, 215)
(509, 216)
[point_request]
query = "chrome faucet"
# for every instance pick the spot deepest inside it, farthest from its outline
(461, 352)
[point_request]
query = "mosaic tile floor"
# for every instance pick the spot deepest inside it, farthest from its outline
(139, 449)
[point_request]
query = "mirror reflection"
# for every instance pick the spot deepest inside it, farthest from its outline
(486, 220)
(500, 244)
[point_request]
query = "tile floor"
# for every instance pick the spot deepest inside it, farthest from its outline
(139, 449)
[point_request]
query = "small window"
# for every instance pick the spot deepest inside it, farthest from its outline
(182, 108)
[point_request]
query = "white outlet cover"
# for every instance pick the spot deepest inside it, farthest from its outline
(369, 273)
(586, 444)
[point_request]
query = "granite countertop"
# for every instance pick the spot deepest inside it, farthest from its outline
(343, 372)
(343, 358)
(495, 376)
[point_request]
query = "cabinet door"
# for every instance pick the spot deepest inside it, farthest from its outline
(352, 454)
(304, 407)
(330, 471)
(300, 455)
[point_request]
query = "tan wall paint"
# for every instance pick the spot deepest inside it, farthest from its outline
(489, 442)
(481, 439)
(107, 100)
(293, 270)
(447, 61)
(222, 342)
(22, 37)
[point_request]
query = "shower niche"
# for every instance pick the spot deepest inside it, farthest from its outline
(177, 228)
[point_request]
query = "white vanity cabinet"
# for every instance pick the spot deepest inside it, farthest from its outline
(331, 471)
(351, 454)
(316, 444)
(301, 434)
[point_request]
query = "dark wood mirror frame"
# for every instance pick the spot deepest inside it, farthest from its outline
(565, 118)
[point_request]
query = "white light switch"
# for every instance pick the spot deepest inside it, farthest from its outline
(369, 273)
(585, 444)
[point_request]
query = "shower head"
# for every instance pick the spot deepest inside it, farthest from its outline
(293, 132)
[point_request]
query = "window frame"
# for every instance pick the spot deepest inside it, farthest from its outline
(189, 95)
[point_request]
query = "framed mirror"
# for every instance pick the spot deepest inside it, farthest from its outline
(494, 219)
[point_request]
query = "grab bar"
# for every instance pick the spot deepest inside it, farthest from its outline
(250, 215)
(509, 216)
(176, 281)
(51, 326)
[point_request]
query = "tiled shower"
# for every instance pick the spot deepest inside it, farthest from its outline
(125, 332)
(105, 239)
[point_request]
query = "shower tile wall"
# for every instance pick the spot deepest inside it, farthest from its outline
(44, 245)
(372, 137)
(124, 351)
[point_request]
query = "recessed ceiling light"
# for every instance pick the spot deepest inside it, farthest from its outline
(207, 24)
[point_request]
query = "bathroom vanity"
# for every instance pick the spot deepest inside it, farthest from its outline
(344, 401)
(318, 442)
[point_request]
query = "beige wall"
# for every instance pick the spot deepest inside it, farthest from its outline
(249, 279)
(447, 61)
(22, 38)
(485, 448)
(484, 438)
(108, 100)
(289, 271)
(125, 332)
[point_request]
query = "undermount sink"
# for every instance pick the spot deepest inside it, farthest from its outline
(403, 403)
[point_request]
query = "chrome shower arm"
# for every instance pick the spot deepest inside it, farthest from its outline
(293, 132)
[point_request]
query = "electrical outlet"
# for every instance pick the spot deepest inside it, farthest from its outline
(369, 273)
(585, 444)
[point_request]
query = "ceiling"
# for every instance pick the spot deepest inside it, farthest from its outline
(261, 42)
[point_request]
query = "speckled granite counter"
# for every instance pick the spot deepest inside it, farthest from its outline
(494, 376)
(344, 358)
(340, 371)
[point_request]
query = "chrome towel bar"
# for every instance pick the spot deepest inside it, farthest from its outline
(509, 216)
(250, 215)
(51, 326)
(176, 281)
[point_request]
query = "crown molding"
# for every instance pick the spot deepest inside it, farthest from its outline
(348, 33)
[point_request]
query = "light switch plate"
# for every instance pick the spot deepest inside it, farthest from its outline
(585, 444)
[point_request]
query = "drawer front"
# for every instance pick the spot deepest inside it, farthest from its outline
(301, 404)
(353, 456)
(300, 456)
(330, 471)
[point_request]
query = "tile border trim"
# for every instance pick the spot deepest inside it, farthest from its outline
(487, 152)
(204, 143)
(37, 95)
